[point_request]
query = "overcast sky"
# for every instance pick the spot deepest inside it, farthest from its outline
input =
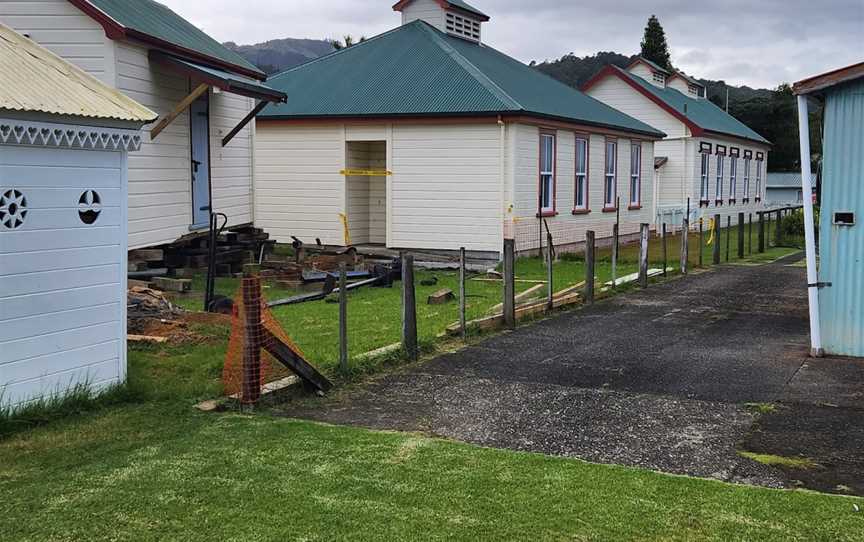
(758, 43)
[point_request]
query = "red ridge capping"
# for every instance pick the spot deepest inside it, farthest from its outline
(116, 31)
(695, 129)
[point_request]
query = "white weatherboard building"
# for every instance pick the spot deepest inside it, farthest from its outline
(708, 156)
(425, 137)
(64, 139)
(150, 53)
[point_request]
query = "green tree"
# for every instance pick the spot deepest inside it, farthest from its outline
(654, 46)
(346, 42)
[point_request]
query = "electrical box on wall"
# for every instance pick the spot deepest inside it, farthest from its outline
(844, 218)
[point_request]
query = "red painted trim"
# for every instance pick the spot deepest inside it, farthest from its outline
(546, 214)
(399, 6)
(586, 209)
(634, 207)
(695, 130)
(554, 211)
(610, 209)
(115, 31)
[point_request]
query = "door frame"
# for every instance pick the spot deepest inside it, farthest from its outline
(192, 225)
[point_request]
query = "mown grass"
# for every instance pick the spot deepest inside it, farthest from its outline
(800, 463)
(153, 468)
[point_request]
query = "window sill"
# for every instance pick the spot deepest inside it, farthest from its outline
(547, 214)
(758, 200)
(745, 200)
(610, 209)
(731, 202)
(581, 211)
(718, 202)
(634, 207)
(704, 203)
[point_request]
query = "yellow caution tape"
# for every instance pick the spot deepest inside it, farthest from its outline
(365, 173)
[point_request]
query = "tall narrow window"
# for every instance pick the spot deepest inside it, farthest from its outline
(580, 202)
(733, 179)
(747, 180)
(635, 176)
(703, 180)
(547, 174)
(718, 193)
(610, 189)
(758, 179)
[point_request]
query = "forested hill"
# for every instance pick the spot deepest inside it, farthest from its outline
(770, 112)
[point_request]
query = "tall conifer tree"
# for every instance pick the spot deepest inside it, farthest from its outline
(654, 46)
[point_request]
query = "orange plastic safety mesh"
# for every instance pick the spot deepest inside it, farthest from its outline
(235, 372)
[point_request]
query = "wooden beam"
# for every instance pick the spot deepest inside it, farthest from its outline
(246, 120)
(182, 106)
(293, 361)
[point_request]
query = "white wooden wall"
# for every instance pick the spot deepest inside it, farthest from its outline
(62, 290)
(426, 10)
(616, 93)
(63, 29)
(566, 227)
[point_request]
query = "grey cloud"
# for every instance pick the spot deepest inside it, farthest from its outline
(759, 44)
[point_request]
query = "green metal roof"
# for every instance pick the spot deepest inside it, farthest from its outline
(700, 111)
(418, 70)
(654, 65)
(227, 81)
(156, 20)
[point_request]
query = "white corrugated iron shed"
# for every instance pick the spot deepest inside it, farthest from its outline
(34, 79)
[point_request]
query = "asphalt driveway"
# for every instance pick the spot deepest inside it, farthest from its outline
(678, 378)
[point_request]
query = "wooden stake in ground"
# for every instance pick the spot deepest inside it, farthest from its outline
(685, 249)
(589, 267)
(253, 339)
(665, 261)
(761, 233)
(614, 254)
(750, 234)
(549, 262)
(510, 283)
(343, 317)
(643, 255)
(716, 248)
(409, 308)
(462, 321)
(778, 231)
(740, 235)
(728, 236)
(701, 242)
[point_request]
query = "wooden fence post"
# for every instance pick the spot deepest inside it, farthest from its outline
(728, 236)
(685, 248)
(550, 258)
(614, 254)
(589, 267)
(462, 272)
(510, 283)
(750, 234)
(761, 232)
(777, 233)
(409, 307)
(253, 339)
(343, 317)
(665, 254)
(716, 248)
(701, 242)
(740, 235)
(643, 256)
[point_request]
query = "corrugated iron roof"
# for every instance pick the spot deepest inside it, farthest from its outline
(785, 180)
(157, 20)
(418, 70)
(467, 7)
(700, 111)
(34, 79)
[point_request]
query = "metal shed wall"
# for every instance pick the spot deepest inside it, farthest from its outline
(842, 247)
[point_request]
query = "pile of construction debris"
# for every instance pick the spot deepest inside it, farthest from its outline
(146, 304)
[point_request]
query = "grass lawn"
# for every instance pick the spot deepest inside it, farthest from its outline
(149, 467)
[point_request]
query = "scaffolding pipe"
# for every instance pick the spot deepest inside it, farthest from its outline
(809, 228)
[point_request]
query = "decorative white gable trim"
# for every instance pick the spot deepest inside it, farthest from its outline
(42, 134)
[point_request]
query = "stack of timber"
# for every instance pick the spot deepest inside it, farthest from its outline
(190, 255)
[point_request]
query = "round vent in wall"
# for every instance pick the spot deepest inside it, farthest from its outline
(89, 207)
(13, 209)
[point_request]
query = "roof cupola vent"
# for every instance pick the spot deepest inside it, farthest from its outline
(454, 17)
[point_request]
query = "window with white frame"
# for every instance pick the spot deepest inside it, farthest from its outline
(703, 191)
(609, 181)
(718, 192)
(733, 178)
(580, 202)
(635, 175)
(758, 179)
(547, 173)
(659, 78)
(747, 179)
